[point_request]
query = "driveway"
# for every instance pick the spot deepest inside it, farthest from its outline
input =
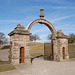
(4, 54)
(43, 67)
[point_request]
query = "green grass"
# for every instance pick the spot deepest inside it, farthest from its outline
(0, 60)
(36, 54)
(72, 59)
(5, 47)
(6, 68)
(39, 47)
(36, 47)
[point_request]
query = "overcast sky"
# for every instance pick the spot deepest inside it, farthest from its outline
(61, 13)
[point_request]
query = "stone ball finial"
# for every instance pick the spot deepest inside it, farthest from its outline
(59, 31)
(18, 25)
(22, 26)
(61, 34)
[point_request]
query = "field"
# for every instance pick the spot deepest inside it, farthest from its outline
(4, 47)
(6, 67)
(37, 49)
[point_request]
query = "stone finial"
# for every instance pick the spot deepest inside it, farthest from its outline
(61, 34)
(22, 26)
(18, 25)
(41, 14)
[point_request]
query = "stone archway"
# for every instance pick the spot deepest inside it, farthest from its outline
(58, 38)
(21, 38)
(47, 23)
(51, 28)
(43, 21)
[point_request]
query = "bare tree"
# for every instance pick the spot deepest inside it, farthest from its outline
(31, 37)
(71, 38)
(72, 35)
(34, 37)
(3, 39)
(49, 37)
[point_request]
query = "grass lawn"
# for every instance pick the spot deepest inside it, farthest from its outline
(5, 47)
(36, 54)
(72, 59)
(6, 67)
(0, 60)
(36, 49)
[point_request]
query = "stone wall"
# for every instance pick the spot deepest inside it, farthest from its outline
(71, 50)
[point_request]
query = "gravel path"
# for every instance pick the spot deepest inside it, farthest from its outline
(4, 54)
(43, 67)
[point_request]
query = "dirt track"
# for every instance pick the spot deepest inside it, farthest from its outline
(43, 67)
(4, 54)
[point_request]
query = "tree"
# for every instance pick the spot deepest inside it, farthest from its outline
(3, 39)
(71, 38)
(49, 37)
(71, 35)
(34, 37)
(31, 37)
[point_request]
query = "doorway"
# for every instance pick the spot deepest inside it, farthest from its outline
(22, 55)
(63, 52)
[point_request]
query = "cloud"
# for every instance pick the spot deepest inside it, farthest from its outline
(68, 32)
(52, 1)
(63, 7)
(26, 19)
(44, 41)
(41, 30)
(12, 21)
(67, 28)
(64, 2)
(61, 18)
(43, 35)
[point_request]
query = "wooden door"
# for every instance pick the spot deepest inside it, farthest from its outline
(22, 55)
(63, 51)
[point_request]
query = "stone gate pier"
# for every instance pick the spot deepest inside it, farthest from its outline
(19, 38)
(61, 45)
